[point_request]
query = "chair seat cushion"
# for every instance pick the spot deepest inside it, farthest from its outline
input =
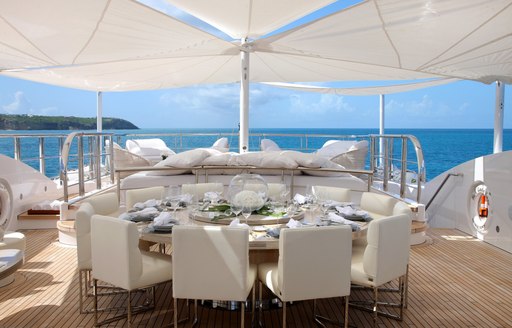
(268, 274)
(358, 276)
(156, 268)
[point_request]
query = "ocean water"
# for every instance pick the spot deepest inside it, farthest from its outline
(442, 148)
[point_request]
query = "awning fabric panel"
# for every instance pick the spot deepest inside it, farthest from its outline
(74, 32)
(122, 45)
(363, 91)
(249, 18)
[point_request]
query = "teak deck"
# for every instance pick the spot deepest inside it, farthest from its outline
(455, 281)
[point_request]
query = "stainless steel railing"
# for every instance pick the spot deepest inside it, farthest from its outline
(392, 158)
(96, 150)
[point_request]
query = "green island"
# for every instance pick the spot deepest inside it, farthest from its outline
(36, 122)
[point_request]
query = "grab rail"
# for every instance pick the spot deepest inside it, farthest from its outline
(441, 185)
(386, 159)
(95, 153)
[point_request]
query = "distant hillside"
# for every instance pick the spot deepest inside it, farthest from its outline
(34, 122)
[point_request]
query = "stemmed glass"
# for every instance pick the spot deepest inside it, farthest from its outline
(246, 212)
(326, 206)
(311, 201)
(236, 209)
(173, 197)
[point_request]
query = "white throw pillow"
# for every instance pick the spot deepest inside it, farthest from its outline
(221, 143)
(328, 165)
(305, 159)
(186, 159)
(218, 159)
(268, 145)
(148, 147)
(359, 145)
(334, 147)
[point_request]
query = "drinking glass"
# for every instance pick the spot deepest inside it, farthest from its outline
(173, 197)
(246, 212)
(236, 209)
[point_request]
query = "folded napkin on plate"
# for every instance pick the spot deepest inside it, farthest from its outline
(186, 198)
(293, 224)
(163, 219)
(339, 219)
(236, 223)
(334, 203)
(146, 214)
(149, 203)
(300, 199)
(350, 211)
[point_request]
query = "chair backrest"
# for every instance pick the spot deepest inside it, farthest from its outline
(134, 196)
(332, 193)
(116, 258)
(198, 189)
(83, 236)
(378, 203)
(103, 204)
(314, 262)
(210, 263)
(387, 251)
(275, 190)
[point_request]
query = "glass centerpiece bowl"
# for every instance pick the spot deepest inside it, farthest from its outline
(248, 190)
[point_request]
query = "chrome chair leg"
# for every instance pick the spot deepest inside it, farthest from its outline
(242, 319)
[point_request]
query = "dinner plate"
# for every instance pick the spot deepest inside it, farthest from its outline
(259, 229)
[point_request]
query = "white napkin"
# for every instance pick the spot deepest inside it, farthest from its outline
(299, 199)
(350, 211)
(236, 223)
(293, 224)
(186, 198)
(149, 212)
(146, 204)
(339, 219)
(47, 205)
(163, 219)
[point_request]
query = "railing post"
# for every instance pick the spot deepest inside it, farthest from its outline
(81, 185)
(42, 162)
(17, 148)
(97, 161)
(385, 171)
(404, 167)
(111, 158)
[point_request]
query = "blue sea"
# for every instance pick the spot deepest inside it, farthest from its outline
(442, 148)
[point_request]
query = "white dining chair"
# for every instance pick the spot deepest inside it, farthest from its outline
(134, 196)
(313, 263)
(385, 258)
(199, 189)
(104, 204)
(117, 260)
(332, 193)
(212, 263)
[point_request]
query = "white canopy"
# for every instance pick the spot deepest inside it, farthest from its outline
(121, 45)
(363, 91)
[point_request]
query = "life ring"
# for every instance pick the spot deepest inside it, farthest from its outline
(6, 204)
(479, 222)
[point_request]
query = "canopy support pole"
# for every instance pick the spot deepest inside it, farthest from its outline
(244, 99)
(498, 117)
(381, 128)
(99, 111)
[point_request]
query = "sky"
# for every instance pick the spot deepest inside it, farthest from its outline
(463, 104)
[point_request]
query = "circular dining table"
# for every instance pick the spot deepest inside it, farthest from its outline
(259, 225)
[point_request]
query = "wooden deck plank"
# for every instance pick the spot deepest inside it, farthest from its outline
(456, 281)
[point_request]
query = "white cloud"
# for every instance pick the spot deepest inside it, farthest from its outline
(20, 105)
(319, 104)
